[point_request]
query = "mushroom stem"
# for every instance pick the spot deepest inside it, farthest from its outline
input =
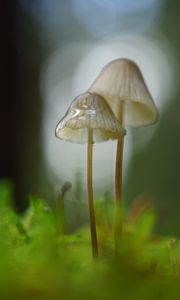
(90, 195)
(118, 192)
(118, 171)
(119, 161)
(118, 181)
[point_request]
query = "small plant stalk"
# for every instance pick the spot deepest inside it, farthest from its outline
(118, 181)
(90, 195)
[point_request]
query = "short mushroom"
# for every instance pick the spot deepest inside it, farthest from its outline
(122, 85)
(89, 119)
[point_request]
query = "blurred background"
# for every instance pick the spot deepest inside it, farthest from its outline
(50, 52)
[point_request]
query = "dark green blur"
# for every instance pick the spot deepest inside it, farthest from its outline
(155, 170)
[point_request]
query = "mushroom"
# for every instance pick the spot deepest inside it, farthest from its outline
(122, 85)
(89, 119)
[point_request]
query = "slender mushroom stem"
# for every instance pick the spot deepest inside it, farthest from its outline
(118, 171)
(118, 181)
(119, 161)
(90, 195)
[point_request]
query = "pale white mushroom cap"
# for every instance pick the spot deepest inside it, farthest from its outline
(121, 80)
(89, 111)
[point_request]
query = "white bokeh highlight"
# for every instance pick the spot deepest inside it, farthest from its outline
(70, 71)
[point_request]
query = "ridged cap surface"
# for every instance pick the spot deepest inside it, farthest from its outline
(121, 80)
(89, 111)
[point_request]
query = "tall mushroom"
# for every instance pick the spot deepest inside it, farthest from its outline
(89, 119)
(122, 85)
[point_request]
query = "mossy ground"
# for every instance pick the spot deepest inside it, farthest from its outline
(40, 260)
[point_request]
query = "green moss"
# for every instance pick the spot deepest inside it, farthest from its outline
(38, 260)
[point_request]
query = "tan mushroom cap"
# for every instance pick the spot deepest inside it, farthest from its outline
(121, 80)
(89, 111)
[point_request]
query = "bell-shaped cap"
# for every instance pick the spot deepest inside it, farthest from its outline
(89, 111)
(121, 81)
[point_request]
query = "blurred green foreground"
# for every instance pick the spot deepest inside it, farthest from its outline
(38, 260)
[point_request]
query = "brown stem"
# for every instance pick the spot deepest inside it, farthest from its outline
(90, 195)
(119, 160)
(118, 192)
(118, 181)
(118, 171)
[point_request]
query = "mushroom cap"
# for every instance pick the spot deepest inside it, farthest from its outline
(121, 81)
(89, 111)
